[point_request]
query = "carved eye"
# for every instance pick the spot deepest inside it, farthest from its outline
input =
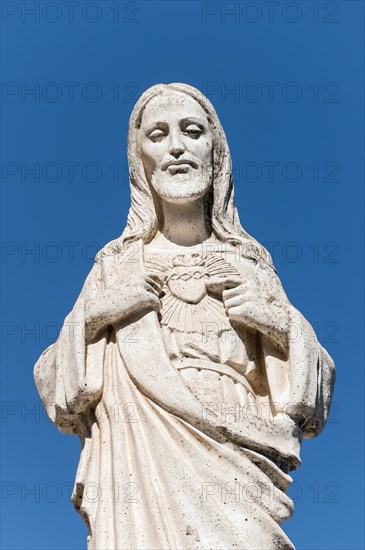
(193, 131)
(156, 135)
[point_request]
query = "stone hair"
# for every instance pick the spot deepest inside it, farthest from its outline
(145, 215)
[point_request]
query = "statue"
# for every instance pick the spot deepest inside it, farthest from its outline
(183, 368)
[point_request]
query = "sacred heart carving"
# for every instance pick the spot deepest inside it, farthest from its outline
(186, 303)
(187, 284)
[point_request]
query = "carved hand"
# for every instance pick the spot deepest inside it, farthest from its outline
(116, 303)
(249, 304)
(219, 283)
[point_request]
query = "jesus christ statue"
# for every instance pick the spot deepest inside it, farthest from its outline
(188, 375)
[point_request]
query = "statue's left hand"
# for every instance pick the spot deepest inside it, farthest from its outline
(250, 304)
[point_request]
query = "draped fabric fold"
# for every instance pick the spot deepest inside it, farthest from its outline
(69, 373)
(301, 386)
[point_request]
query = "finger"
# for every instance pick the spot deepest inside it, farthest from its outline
(249, 286)
(229, 293)
(245, 318)
(232, 282)
(152, 303)
(156, 276)
(152, 289)
(153, 299)
(155, 282)
(226, 282)
(233, 302)
(242, 290)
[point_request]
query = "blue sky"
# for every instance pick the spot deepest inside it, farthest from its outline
(285, 79)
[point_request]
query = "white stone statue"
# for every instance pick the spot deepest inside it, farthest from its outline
(184, 369)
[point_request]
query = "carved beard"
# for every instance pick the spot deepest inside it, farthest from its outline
(193, 184)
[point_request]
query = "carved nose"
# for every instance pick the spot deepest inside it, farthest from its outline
(176, 152)
(176, 147)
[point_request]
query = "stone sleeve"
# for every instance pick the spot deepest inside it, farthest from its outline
(69, 373)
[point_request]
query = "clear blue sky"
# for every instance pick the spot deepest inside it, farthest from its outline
(294, 125)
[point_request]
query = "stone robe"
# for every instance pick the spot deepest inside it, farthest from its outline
(187, 440)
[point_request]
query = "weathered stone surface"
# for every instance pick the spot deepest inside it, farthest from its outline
(188, 375)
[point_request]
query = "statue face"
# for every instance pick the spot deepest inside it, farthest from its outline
(176, 145)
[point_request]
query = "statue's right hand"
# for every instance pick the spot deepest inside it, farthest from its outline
(121, 300)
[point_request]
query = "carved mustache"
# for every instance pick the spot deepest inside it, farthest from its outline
(165, 165)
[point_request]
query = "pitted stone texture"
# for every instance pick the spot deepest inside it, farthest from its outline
(188, 375)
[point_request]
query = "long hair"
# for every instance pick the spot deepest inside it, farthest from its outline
(145, 215)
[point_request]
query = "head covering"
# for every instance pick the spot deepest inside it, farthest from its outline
(145, 214)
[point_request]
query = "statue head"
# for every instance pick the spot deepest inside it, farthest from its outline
(193, 162)
(176, 146)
